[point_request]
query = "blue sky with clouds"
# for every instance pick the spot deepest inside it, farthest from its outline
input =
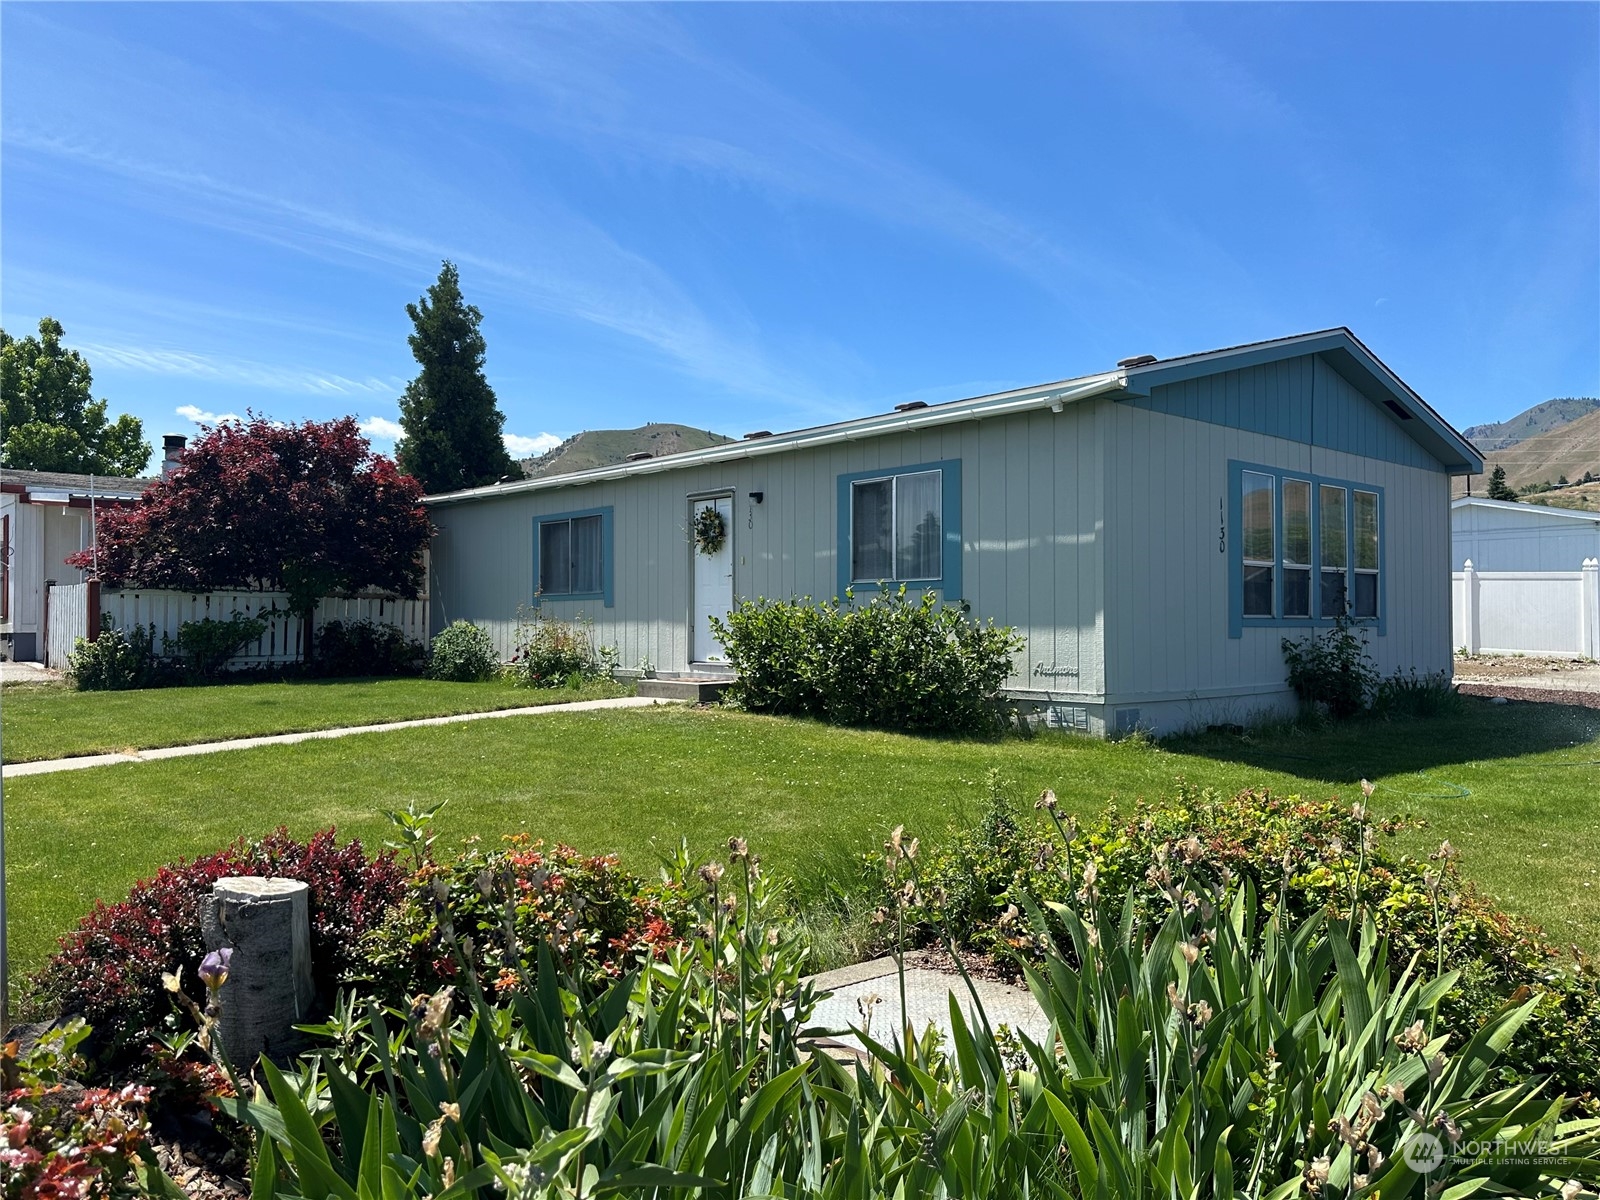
(763, 216)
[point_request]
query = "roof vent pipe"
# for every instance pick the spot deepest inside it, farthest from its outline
(172, 445)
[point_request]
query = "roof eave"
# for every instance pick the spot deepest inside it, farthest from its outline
(1048, 395)
(1342, 351)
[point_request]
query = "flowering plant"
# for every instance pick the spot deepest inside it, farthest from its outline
(486, 906)
(61, 1140)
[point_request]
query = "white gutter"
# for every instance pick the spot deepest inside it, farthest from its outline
(1052, 396)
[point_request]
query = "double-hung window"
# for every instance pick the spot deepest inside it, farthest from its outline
(901, 525)
(1306, 550)
(573, 555)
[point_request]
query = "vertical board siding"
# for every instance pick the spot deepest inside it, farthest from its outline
(1030, 509)
(1167, 582)
(1526, 538)
(1299, 399)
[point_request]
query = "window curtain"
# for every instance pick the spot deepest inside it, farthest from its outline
(918, 526)
(586, 554)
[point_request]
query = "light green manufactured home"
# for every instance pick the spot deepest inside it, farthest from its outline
(1153, 531)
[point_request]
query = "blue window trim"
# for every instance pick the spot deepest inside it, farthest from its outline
(606, 574)
(949, 582)
(1237, 621)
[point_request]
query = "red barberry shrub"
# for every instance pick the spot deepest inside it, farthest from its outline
(109, 969)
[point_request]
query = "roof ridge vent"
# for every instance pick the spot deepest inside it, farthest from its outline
(1138, 360)
(911, 406)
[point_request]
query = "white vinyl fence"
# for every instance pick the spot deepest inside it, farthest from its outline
(167, 610)
(1527, 612)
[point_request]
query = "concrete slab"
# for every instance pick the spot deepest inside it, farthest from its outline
(928, 993)
(49, 766)
(27, 672)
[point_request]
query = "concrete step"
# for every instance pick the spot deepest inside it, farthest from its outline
(696, 689)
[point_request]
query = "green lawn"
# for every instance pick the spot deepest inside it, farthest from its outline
(53, 721)
(1516, 788)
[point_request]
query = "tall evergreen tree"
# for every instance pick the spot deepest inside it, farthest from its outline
(50, 420)
(451, 420)
(1498, 489)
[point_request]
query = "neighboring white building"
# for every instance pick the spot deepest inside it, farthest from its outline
(1153, 531)
(44, 517)
(1501, 535)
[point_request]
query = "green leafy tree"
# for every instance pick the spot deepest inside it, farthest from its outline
(451, 420)
(49, 419)
(1498, 488)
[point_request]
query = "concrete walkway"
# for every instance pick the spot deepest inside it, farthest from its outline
(874, 987)
(50, 766)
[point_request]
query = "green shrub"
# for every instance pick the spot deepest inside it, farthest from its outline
(894, 663)
(1205, 1050)
(366, 648)
(1302, 857)
(551, 653)
(462, 653)
(202, 648)
(1333, 670)
(596, 915)
(116, 660)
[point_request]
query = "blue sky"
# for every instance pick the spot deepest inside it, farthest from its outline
(764, 216)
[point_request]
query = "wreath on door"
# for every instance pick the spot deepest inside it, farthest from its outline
(710, 530)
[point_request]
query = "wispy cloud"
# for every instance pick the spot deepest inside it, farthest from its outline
(235, 371)
(550, 259)
(596, 75)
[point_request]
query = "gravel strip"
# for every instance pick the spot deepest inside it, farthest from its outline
(1539, 695)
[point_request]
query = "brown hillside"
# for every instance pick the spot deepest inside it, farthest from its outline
(607, 447)
(1570, 450)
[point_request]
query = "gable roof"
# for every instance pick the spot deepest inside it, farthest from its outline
(1357, 365)
(1526, 509)
(1338, 347)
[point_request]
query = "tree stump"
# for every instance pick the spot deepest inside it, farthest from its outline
(266, 921)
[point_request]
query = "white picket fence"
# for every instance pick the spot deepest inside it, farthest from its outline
(282, 641)
(1527, 612)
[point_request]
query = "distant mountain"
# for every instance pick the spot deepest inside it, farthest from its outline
(1541, 418)
(1571, 450)
(606, 447)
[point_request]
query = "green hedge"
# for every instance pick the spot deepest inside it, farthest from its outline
(893, 662)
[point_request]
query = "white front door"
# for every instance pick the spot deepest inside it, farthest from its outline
(713, 580)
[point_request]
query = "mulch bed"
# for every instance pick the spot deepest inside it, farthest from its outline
(1537, 695)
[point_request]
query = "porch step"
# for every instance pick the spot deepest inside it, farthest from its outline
(697, 689)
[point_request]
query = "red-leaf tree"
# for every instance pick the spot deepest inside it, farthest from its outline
(307, 509)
